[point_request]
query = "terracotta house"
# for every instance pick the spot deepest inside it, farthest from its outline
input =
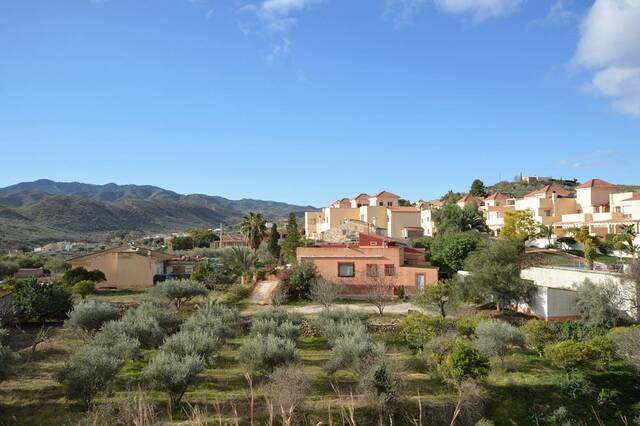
(372, 257)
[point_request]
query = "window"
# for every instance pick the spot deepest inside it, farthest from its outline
(372, 270)
(389, 203)
(618, 209)
(346, 270)
(390, 270)
(381, 203)
(420, 281)
(547, 213)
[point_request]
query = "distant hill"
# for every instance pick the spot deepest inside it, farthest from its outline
(35, 213)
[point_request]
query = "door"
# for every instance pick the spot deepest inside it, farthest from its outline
(420, 281)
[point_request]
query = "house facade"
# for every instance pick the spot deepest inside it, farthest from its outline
(131, 267)
(371, 259)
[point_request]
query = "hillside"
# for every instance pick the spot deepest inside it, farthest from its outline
(34, 213)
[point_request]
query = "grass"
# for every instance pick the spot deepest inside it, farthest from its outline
(525, 387)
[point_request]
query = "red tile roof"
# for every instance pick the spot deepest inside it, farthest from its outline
(596, 183)
(359, 196)
(549, 189)
(468, 198)
(404, 209)
(497, 196)
(634, 197)
(386, 194)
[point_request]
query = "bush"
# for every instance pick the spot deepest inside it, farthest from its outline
(41, 301)
(383, 383)
(417, 329)
(436, 349)
(75, 275)
(279, 315)
(179, 291)
(215, 319)
(6, 360)
(286, 330)
(466, 326)
(197, 343)
(354, 352)
(238, 292)
(113, 339)
(172, 373)
(627, 344)
(149, 323)
(497, 338)
(574, 330)
(538, 334)
(88, 372)
(570, 355)
(463, 363)
(90, 316)
(328, 318)
(596, 304)
(603, 351)
(264, 353)
(296, 282)
(84, 288)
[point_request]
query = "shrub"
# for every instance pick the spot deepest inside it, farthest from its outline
(238, 292)
(436, 349)
(88, 372)
(383, 383)
(627, 344)
(264, 353)
(172, 373)
(113, 339)
(354, 352)
(603, 351)
(277, 314)
(41, 301)
(464, 363)
(286, 330)
(596, 304)
(90, 316)
(574, 330)
(84, 288)
(287, 388)
(75, 275)
(466, 326)
(577, 386)
(497, 338)
(197, 343)
(538, 334)
(328, 318)
(296, 282)
(149, 323)
(417, 329)
(215, 319)
(6, 360)
(179, 291)
(570, 355)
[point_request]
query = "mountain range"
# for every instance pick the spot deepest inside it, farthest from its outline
(42, 211)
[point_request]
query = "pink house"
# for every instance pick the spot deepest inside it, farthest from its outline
(371, 258)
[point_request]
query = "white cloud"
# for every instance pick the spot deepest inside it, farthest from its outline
(402, 12)
(609, 46)
(479, 10)
(278, 13)
(278, 50)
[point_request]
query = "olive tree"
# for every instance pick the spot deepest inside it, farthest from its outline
(196, 342)
(264, 353)
(497, 338)
(173, 374)
(597, 304)
(89, 316)
(179, 291)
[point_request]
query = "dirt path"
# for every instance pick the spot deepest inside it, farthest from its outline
(262, 293)
(394, 308)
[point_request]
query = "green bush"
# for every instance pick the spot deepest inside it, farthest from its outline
(149, 323)
(354, 352)
(179, 291)
(497, 338)
(466, 326)
(286, 330)
(75, 275)
(538, 334)
(418, 329)
(215, 319)
(627, 344)
(297, 281)
(596, 304)
(603, 351)
(41, 301)
(383, 383)
(197, 343)
(574, 330)
(463, 363)
(113, 339)
(90, 316)
(87, 373)
(264, 353)
(277, 314)
(570, 355)
(172, 373)
(436, 349)
(238, 292)
(84, 288)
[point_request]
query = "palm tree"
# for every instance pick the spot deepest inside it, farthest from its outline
(241, 261)
(253, 228)
(626, 239)
(547, 232)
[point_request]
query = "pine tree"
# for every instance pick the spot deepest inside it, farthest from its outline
(478, 189)
(274, 239)
(293, 240)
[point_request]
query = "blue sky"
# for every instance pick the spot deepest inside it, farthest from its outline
(306, 101)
